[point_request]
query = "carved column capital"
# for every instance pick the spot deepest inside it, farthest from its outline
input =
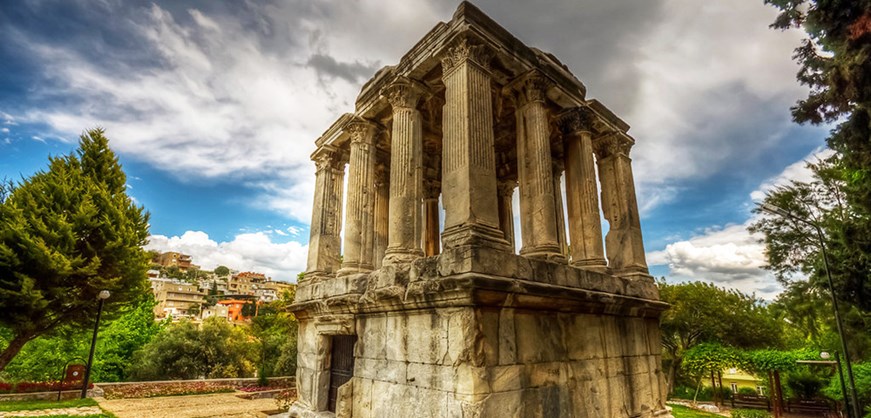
(431, 189)
(531, 87)
(575, 120)
(404, 93)
(558, 167)
(328, 159)
(612, 145)
(463, 50)
(382, 174)
(362, 131)
(506, 188)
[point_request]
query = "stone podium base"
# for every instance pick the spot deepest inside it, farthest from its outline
(441, 338)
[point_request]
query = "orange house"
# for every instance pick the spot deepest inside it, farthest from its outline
(234, 309)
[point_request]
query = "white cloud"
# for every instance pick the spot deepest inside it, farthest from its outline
(797, 171)
(727, 256)
(247, 252)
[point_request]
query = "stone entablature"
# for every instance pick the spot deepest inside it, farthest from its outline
(457, 318)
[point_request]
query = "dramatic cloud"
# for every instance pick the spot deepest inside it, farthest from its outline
(246, 252)
(241, 90)
(727, 256)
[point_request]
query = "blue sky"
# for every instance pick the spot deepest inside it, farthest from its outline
(213, 108)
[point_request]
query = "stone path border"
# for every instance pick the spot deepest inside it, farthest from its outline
(223, 405)
(80, 411)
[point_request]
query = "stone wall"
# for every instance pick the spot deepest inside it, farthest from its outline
(505, 362)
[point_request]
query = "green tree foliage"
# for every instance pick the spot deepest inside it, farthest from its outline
(276, 332)
(44, 358)
(701, 312)
(222, 271)
(184, 351)
(862, 375)
(796, 259)
(835, 63)
(66, 234)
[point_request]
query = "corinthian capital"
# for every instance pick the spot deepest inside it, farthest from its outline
(531, 87)
(403, 93)
(327, 159)
(578, 119)
(612, 145)
(362, 131)
(466, 49)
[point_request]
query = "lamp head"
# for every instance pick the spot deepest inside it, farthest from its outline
(104, 294)
(825, 355)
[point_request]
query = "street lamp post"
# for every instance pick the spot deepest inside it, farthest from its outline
(104, 294)
(825, 356)
(767, 207)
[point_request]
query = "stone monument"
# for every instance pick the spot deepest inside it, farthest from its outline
(413, 314)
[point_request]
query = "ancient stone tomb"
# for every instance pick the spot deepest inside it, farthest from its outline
(418, 312)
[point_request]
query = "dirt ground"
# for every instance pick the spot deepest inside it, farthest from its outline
(223, 405)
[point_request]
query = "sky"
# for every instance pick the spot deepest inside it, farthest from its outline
(213, 108)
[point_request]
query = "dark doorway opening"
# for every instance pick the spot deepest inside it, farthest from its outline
(341, 365)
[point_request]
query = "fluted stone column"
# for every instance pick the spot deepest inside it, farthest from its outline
(585, 227)
(506, 211)
(382, 213)
(468, 162)
(359, 237)
(623, 243)
(406, 172)
(324, 241)
(431, 245)
(538, 223)
(558, 168)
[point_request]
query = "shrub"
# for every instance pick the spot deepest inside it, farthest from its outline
(5, 387)
(747, 391)
(750, 413)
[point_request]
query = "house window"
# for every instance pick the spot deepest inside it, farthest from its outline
(734, 387)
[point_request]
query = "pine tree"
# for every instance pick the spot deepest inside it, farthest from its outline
(65, 235)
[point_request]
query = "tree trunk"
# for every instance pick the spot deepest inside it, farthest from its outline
(672, 370)
(779, 390)
(714, 389)
(720, 379)
(12, 350)
(773, 393)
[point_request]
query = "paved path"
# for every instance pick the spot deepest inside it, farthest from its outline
(219, 405)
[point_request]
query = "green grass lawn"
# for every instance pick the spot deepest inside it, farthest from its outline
(680, 411)
(37, 405)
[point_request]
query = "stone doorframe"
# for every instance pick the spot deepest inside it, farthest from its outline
(328, 326)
